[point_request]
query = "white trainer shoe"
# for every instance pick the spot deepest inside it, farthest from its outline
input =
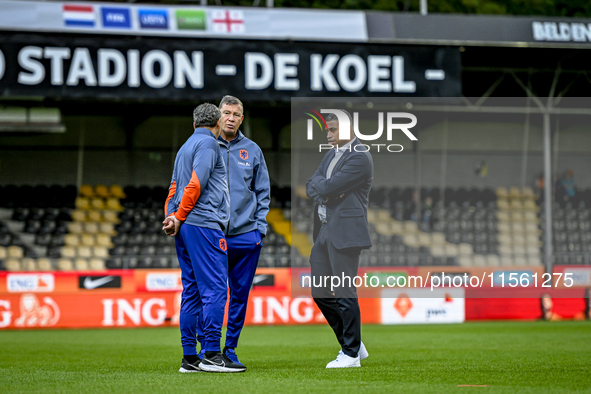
(344, 361)
(363, 354)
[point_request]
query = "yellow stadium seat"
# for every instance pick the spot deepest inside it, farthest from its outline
(396, 227)
(72, 240)
(64, 264)
(84, 252)
(104, 240)
(479, 260)
(465, 249)
(100, 252)
(13, 265)
(81, 265)
(75, 228)
(117, 191)
(410, 227)
(503, 204)
(528, 192)
(114, 204)
(411, 240)
(514, 192)
(110, 216)
(29, 264)
(438, 239)
(86, 191)
(101, 191)
(15, 252)
(516, 204)
(451, 250)
(534, 261)
(97, 203)
(68, 252)
(87, 240)
(3, 253)
(97, 264)
(492, 260)
(95, 216)
(465, 261)
(82, 203)
(107, 228)
(502, 192)
(424, 239)
(438, 251)
(91, 227)
(79, 215)
(44, 264)
(530, 205)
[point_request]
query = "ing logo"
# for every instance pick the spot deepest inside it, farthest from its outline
(223, 245)
(243, 154)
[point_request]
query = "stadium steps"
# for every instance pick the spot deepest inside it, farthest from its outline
(282, 226)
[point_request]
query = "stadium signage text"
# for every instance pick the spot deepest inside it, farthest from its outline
(269, 310)
(152, 312)
(113, 68)
(18, 283)
(561, 31)
(156, 68)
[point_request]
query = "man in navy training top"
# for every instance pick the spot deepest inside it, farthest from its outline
(248, 181)
(197, 211)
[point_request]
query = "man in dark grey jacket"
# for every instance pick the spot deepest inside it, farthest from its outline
(340, 187)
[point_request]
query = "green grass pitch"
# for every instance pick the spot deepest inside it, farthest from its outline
(507, 357)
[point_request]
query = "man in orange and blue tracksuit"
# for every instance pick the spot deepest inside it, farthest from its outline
(197, 212)
(248, 182)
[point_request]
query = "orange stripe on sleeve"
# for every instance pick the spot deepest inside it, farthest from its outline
(171, 192)
(190, 197)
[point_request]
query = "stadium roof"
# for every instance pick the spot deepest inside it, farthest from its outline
(294, 24)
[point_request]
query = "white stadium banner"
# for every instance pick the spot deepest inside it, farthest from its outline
(411, 306)
(183, 21)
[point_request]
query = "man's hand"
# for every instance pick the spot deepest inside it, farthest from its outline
(171, 225)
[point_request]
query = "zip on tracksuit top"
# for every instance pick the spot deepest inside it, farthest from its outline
(248, 181)
(198, 192)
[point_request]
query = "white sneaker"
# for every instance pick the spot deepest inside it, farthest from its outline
(363, 354)
(344, 361)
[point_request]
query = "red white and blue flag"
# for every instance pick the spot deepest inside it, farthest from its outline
(78, 15)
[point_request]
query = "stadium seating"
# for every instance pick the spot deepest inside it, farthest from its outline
(54, 228)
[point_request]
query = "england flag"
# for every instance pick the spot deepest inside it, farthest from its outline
(226, 21)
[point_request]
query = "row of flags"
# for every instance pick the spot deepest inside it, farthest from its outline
(216, 21)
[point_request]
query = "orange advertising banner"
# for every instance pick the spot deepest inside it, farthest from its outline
(136, 298)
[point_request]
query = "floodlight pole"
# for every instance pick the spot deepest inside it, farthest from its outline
(548, 185)
(423, 7)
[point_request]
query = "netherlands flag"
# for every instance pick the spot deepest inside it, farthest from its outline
(78, 15)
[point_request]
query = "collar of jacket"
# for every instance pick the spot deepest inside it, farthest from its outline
(353, 143)
(239, 136)
(204, 131)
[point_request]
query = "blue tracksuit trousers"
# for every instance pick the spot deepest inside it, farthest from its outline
(202, 254)
(243, 257)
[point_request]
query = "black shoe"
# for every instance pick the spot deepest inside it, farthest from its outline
(187, 367)
(220, 363)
